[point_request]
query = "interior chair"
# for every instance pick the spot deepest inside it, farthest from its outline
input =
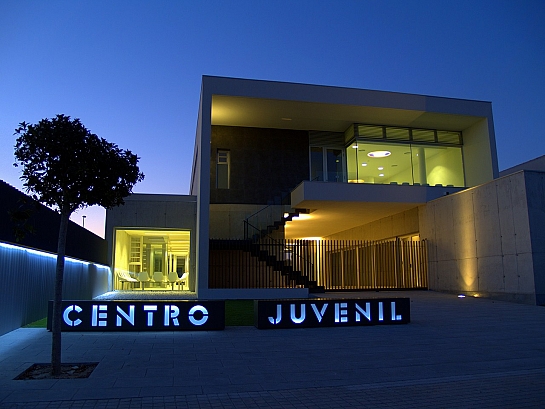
(124, 277)
(183, 279)
(173, 278)
(158, 277)
(143, 277)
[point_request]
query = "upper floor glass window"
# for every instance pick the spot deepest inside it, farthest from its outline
(326, 164)
(401, 155)
(390, 163)
(223, 163)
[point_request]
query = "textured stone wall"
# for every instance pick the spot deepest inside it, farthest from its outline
(264, 163)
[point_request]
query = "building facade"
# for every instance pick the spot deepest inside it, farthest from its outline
(299, 188)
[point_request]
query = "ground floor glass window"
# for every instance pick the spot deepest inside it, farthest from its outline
(151, 259)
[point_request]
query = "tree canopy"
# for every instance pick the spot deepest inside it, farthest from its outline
(67, 167)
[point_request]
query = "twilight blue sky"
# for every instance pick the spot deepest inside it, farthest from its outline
(131, 70)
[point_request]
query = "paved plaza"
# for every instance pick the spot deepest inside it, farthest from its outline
(455, 353)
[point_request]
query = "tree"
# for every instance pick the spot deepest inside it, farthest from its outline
(66, 167)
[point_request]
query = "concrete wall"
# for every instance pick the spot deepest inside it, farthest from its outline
(397, 225)
(27, 267)
(479, 152)
(156, 211)
(227, 220)
(479, 241)
(200, 186)
(81, 243)
(535, 193)
(28, 282)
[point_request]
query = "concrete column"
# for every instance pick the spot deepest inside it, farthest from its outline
(422, 173)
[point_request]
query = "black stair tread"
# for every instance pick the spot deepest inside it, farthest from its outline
(255, 250)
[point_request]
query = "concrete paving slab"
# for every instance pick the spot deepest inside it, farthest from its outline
(455, 353)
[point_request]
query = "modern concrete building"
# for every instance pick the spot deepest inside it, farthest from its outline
(299, 188)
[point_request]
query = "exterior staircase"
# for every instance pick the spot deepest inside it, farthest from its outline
(285, 268)
(291, 276)
(288, 216)
(264, 236)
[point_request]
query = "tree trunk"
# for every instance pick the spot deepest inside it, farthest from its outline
(57, 300)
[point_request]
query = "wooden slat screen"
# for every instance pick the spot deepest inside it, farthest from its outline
(332, 264)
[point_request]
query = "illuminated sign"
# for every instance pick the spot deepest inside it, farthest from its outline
(322, 312)
(176, 315)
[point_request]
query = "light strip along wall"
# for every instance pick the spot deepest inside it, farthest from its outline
(28, 279)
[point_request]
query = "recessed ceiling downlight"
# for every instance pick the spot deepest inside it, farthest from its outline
(379, 154)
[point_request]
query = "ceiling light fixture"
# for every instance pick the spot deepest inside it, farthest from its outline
(380, 167)
(379, 154)
(381, 174)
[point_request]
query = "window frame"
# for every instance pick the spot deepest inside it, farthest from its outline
(220, 155)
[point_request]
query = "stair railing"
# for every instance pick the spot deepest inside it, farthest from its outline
(264, 217)
(281, 249)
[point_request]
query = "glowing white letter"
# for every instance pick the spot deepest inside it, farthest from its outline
(366, 313)
(67, 319)
(150, 309)
(340, 313)
(171, 311)
(292, 314)
(394, 316)
(98, 318)
(192, 312)
(319, 314)
(278, 318)
(129, 317)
